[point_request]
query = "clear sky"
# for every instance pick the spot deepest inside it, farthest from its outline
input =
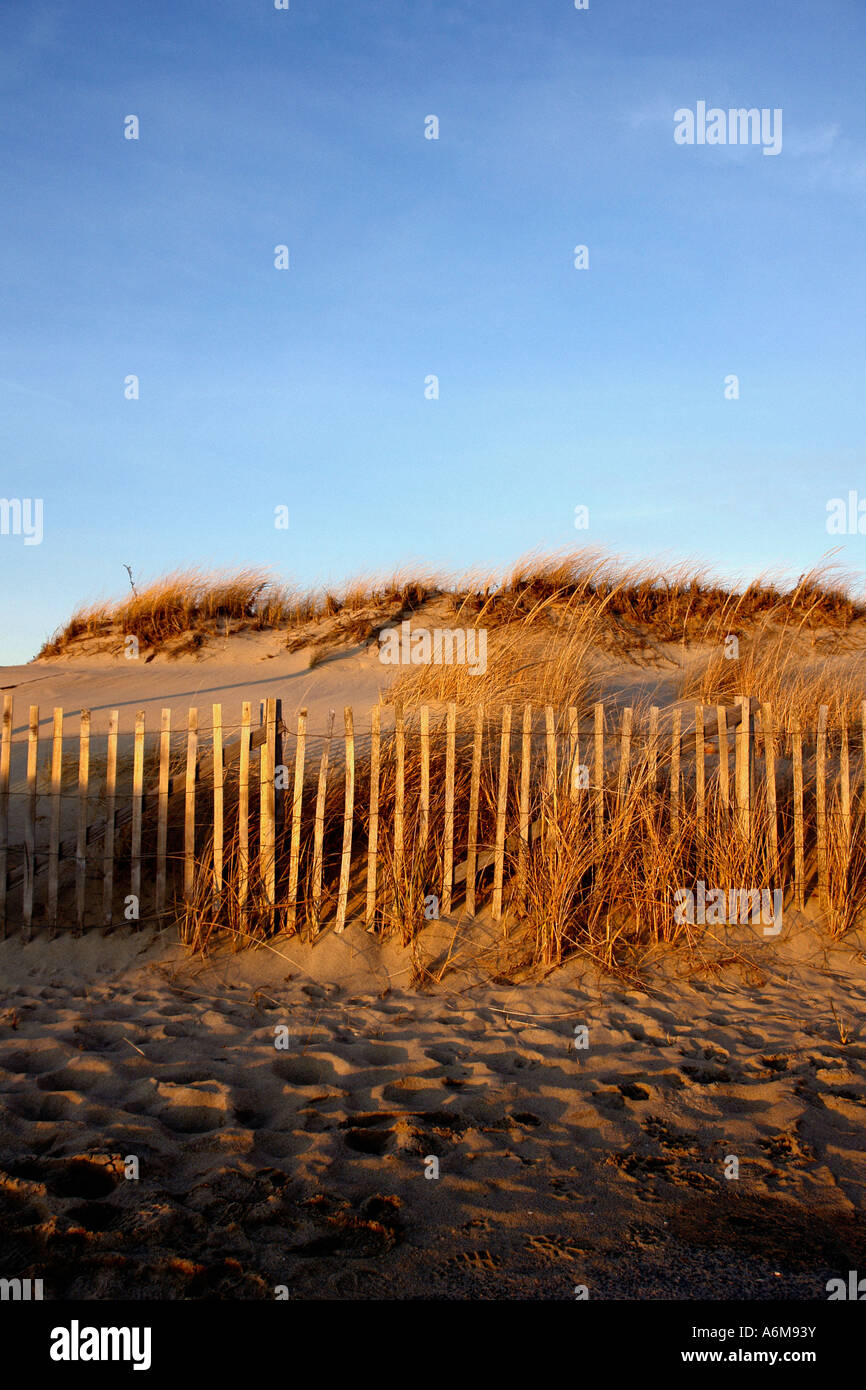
(305, 387)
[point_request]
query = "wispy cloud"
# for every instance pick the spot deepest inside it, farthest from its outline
(828, 157)
(808, 144)
(30, 391)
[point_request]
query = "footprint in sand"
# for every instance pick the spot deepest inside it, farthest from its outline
(195, 1109)
(305, 1071)
(375, 1054)
(554, 1248)
(38, 1058)
(89, 1075)
(480, 1261)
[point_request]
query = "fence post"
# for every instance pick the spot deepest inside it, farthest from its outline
(598, 795)
(244, 811)
(474, 793)
(700, 772)
(448, 847)
(743, 766)
(501, 808)
(189, 807)
(373, 833)
(424, 827)
(5, 754)
(267, 812)
(110, 812)
(162, 808)
(573, 753)
(799, 856)
(218, 804)
(30, 822)
(137, 792)
(81, 844)
(525, 769)
(770, 773)
(551, 773)
(625, 755)
(821, 801)
(277, 761)
(54, 831)
(319, 832)
(348, 816)
(297, 800)
(399, 798)
(676, 741)
(724, 785)
(653, 749)
(845, 785)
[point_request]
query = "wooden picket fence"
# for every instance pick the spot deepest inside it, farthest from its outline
(148, 829)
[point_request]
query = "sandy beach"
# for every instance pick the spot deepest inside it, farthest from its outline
(298, 1170)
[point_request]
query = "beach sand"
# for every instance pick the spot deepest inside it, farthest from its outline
(302, 1168)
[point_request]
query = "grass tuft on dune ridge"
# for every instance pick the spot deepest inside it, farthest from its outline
(597, 596)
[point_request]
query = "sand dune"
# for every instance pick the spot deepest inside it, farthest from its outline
(250, 666)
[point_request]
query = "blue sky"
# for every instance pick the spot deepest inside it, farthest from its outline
(558, 387)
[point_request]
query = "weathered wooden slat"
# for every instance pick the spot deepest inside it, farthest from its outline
(598, 773)
(54, 828)
(348, 819)
(267, 806)
(5, 755)
(189, 806)
(30, 821)
(624, 755)
(297, 801)
(743, 767)
(424, 823)
(373, 832)
(218, 805)
(319, 830)
(700, 772)
(137, 794)
(399, 798)
(448, 842)
(573, 753)
(799, 855)
(845, 787)
(162, 811)
(279, 777)
(551, 773)
(676, 742)
(501, 810)
(653, 750)
(770, 778)
(81, 842)
(724, 785)
(525, 770)
(821, 802)
(108, 841)
(474, 798)
(244, 809)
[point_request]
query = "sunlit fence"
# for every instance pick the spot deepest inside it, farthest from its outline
(272, 825)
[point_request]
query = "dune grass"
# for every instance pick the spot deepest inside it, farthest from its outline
(608, 897)
(612, 600)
